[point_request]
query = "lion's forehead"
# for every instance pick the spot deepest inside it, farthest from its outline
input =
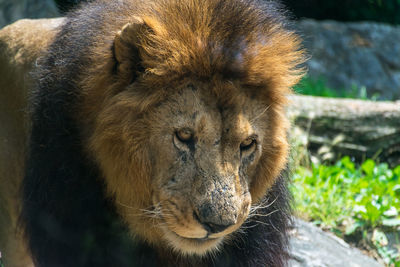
(211, 118)
(218, 130)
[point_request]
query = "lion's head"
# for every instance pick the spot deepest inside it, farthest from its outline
(187, 121)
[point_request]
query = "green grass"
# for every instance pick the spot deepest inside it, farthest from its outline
(318, 87)
(358, 203)
(352, 201)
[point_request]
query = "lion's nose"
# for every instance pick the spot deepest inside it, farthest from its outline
(214, 220)
(215, 228)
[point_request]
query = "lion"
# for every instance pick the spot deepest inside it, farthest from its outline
(157, 136)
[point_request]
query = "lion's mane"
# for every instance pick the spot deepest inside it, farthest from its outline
(69, 214)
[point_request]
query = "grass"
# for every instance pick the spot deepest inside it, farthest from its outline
(359, 203)
(318, 87)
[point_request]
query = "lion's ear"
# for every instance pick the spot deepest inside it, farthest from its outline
(131, 58)
(126, 47)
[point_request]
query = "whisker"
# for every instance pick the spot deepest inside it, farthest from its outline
(248, 226)
(265, 215)
(262, 205)
(260, 114)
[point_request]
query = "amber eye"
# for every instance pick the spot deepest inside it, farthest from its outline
(248, 144)
(184, 135)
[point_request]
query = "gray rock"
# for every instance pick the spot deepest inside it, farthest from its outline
(13, 10)
(354, 54)
(311, 247)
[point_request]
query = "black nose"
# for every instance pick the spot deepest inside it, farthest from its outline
(212, 220)
(214, 228)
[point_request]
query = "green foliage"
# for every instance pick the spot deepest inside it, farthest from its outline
(350, 199)
(380, 241)
(318, 87)
(347, 10)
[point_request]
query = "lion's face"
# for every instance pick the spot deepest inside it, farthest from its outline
(204, 154)
(199, 153)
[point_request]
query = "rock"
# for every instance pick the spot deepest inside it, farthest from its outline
(311, 247)
(354, 54)
(13, 10)
(357, 128)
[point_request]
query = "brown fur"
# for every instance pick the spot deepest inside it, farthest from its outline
(163, 66)
(20, 45)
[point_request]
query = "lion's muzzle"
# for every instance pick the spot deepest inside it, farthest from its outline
(216, 218)
(220, 205)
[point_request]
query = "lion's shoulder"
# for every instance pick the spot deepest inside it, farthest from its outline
(20, 45)
(23, 41)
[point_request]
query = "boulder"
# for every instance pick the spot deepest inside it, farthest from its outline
(312, 247)
(13, 10)
(361, 54)
(333, 127)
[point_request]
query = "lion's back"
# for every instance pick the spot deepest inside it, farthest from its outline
(20, 45)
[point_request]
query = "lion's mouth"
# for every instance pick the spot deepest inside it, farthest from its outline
(188, 234)
(190, 245)
(201, 239)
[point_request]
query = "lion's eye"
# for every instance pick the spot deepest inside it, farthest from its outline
(248, 144)
(184, 135)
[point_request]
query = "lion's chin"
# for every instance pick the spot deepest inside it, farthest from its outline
(191, 246)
